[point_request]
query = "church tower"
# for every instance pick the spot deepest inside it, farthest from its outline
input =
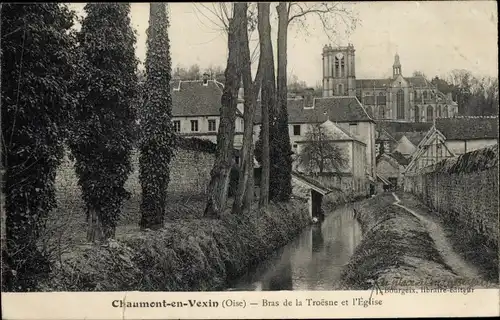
(396, 67)
(339, 76)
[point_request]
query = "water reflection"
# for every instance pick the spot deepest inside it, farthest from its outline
(313, 261)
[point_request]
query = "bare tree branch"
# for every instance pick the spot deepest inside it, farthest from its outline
(330, 14)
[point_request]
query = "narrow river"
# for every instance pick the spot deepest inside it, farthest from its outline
(313, 261)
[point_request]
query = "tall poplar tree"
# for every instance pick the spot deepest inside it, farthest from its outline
(157, 136)
(36, 64)
(104, 127)
(280, 184)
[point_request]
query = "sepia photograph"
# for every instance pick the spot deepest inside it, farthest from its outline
(241, 147)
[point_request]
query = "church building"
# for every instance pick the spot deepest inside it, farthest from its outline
(399, 98)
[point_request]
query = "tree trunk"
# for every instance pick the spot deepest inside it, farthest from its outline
(95, 231)
(219, 181)
(246, 165)
(268, 92)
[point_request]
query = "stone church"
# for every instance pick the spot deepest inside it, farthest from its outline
(399, 98)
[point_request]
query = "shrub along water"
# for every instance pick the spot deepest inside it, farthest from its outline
(396, 250)
(196, 254)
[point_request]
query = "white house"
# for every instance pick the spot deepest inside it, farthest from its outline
(346, 112)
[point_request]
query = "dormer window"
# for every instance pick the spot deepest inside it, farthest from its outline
(308, 98)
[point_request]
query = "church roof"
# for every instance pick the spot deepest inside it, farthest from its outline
(467, 128)
(373, 83)
(419, 81)
(336, 109)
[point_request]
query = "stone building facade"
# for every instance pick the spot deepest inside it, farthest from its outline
(400, 98)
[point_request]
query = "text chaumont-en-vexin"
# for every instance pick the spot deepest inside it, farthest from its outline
(165, 304)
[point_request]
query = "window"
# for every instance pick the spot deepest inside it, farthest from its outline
(295, 146)
(381, 98)
(177, 126)
(400, 102)
(416, 110)
(445, 112)
(211, 125)
(337, 68)
(353, 128)
(296, 130)
(382, 112)
(430, 113)
(342, 67)
(340, 90)
(194, 125)
(425, 95)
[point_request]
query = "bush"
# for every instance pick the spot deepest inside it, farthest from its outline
(188, 255)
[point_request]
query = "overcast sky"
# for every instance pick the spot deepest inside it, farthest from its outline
(432, 37)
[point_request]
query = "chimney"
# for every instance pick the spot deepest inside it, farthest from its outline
(205, 78)
(308, 98)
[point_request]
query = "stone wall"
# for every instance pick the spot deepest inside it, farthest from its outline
(189, 177)
(463, 190)
(189, 173)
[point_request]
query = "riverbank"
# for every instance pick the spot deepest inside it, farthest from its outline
(187, 255)
(396, 251)
(471, 245)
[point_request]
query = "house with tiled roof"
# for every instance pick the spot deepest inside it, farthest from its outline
(390, 167)
(398, 97)
(453, 137)
(404, 136)
(346, 112)
(351, 178)
(466, 134)
(196, 110)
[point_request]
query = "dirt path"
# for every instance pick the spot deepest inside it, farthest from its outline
(451, 258)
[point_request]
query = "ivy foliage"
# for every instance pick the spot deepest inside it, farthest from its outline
(103, 134)
(157, 139)
(36, 65)
(280, 154)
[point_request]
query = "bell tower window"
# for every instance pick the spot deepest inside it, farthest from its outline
(342, 67)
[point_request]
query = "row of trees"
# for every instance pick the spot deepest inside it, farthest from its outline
(194, 72)
(273, 147)
(475, 95)
(80, 89)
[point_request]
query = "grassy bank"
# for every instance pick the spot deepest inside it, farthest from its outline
(189, 254)
(465, 240)
(396, 250)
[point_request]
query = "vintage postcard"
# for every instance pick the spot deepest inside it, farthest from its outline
(249, 160)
